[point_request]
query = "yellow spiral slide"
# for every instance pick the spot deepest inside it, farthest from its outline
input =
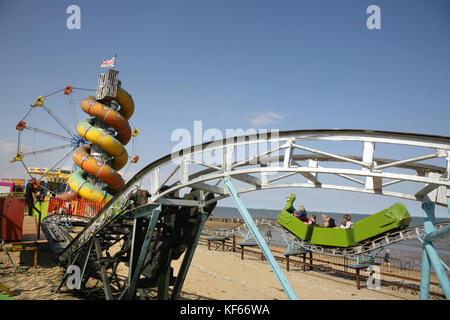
(113, 145)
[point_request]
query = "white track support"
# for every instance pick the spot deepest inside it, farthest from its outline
(155, 181)
(312, 163)
(368, 151)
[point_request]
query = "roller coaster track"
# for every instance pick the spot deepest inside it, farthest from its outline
(255, 162)
(374, 244)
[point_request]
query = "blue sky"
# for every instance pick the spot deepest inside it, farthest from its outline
(239, 64)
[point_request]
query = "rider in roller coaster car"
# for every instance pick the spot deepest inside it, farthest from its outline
(328, 222)
(300, 214)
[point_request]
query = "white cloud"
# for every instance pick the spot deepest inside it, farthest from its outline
(265, 118)
(8, 148)
(7, 169)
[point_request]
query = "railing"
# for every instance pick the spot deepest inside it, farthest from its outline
(399, 279)
(80, 207)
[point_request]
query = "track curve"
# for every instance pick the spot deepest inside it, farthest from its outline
(114, 225)
(107, 215)
(380, 241)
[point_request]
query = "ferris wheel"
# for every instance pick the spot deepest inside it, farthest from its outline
(47, 134)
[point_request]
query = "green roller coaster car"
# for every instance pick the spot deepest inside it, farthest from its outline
(388, 219)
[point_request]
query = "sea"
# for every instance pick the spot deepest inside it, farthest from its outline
(403, 253)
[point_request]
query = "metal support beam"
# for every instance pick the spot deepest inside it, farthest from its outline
(396, 163)
(259, 239)
(430, 256)
(105, 280)
(208, 188)
(438, 268)
(86, 258)
(438, 234)
(368, 152)
(425, 190)
(187, 259)
(310, 176)
(178, 202)
(154, 211)
(425, 276)
(248, 178)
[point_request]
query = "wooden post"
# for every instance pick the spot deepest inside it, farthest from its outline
(234, 243)
(242, 252)
(39, 221)
(304, 261)
(345, 263)
(35, 255)
(357, 279)
(287, 263)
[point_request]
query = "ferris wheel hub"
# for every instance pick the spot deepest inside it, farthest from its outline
(78, 141)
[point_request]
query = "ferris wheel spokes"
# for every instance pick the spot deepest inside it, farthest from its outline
(61, 123)
(55, 135)
(68, 92)
(47, 150)
(57, 163)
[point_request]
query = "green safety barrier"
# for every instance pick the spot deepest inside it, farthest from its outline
(43, 207)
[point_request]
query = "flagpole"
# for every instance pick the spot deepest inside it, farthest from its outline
(115, 60)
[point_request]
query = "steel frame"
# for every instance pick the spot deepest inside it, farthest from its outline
(274, 168)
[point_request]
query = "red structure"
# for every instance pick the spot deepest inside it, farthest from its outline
(11, 218)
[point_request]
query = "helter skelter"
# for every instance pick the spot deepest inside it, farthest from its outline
(97, 147)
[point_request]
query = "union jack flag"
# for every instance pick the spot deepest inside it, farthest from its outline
(108, 63)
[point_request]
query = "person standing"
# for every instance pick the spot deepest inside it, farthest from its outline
(387, 259)
(30, 196)
(268, 235)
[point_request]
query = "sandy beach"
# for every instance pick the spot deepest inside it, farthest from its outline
(214, 274)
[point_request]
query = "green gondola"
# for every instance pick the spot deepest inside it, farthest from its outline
(388, 219)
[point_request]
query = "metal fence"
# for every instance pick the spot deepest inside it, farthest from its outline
(403, 276)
